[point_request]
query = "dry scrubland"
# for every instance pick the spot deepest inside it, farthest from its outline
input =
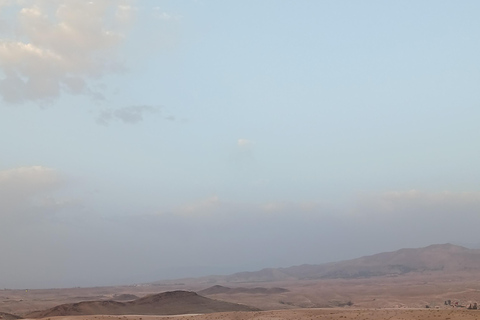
(395, 285)
(307, 314)
(405, 291)
(372, 298)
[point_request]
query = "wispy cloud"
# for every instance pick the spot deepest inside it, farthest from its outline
(243, 143)
(128, 115)
(58, 45)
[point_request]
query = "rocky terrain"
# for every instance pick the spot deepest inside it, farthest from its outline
(403, 279)
(174, 302)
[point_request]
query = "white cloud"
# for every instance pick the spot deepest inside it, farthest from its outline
(57, 45)
(130, 115)
(244, 143)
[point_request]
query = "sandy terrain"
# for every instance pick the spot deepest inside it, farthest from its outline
(307, 314)
(446, 273)
(411, 290)
(166, 303)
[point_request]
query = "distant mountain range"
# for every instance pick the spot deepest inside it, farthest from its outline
(439, 257)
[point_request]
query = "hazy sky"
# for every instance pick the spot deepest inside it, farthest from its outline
(144, 140)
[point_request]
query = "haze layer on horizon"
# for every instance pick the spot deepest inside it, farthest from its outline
(145, 140)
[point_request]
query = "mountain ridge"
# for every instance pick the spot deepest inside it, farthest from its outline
(434, 258)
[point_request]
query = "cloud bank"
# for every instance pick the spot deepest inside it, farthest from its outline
(50, 47)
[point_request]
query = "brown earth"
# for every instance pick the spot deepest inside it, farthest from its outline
(8, 316)
(308, 314)
(124, 297)
(217, 289)
(441, 272)
(412, 290)
(173, 302)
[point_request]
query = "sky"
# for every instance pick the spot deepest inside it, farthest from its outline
(153, 139)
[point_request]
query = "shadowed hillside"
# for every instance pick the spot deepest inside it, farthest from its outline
(8, 316)
(167, 303)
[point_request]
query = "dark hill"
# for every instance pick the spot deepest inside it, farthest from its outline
(8, 316)
(166, 303)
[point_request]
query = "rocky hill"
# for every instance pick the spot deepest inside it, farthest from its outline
(167, 303)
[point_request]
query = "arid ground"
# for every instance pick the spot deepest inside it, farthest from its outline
(401, 297)
(400, 294)
(308, 314)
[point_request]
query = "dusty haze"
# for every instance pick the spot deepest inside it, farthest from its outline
(147, 140)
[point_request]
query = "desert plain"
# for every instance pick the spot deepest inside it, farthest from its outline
(437, 282)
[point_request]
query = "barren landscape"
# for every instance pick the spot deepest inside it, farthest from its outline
(436, 282)
(236, 160)
(306, 314)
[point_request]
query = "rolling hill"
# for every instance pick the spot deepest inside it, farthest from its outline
(166, 303)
